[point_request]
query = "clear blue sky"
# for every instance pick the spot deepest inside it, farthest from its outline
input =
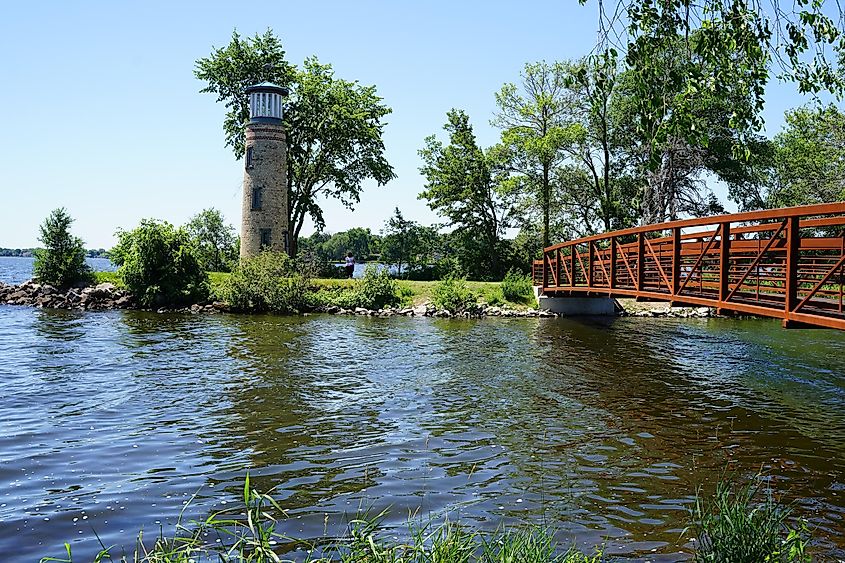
(100, 112)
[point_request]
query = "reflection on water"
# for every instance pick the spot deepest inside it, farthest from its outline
(111, 421)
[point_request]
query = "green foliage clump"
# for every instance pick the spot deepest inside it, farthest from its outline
(454, 295)
(495, 297)
(517, 287)
(267, 282)
(214, 240)
(158, 265)
(735, 525)
(62, 260)
(376, 290)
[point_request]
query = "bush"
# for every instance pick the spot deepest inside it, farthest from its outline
(735, 525)
(454, 295)
(495, 297)
(62, 260)
(316, 265)
(376, 290)
(268, 282)
(517, 287)
(158, 265)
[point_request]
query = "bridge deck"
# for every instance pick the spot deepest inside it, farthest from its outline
(786, 263)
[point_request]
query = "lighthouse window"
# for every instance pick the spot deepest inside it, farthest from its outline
(249, 157)
(257, 197)
(264, 234)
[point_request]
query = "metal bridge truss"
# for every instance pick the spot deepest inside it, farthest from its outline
(785, 263)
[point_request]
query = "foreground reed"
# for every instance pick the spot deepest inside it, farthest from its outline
(738, 524)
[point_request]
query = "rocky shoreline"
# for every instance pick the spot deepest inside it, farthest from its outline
(103, 296)
(107, 296)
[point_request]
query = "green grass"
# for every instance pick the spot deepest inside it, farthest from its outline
(248, 534)
(737, 524)
(746, 524)
(108, 277)
(418, 291)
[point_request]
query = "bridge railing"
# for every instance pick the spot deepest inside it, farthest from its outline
(787, 263)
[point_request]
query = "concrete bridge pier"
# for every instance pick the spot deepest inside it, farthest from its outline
(577, 306)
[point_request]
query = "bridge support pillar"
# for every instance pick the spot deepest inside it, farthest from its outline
(578, 306)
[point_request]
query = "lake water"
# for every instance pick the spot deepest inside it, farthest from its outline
(111, 421)
(14, 269)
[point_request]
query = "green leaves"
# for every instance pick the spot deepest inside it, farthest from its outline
(61, 262)
(464, 184)
(215, 242)
(158, 265)
(334, 130)
(334, 127)
(809, 158)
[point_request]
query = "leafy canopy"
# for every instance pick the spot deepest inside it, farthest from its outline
(214, 240)
(62, 260)
(464, 185)
(334, 126)
(159, 266)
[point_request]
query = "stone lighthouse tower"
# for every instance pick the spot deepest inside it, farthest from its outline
(264, 216)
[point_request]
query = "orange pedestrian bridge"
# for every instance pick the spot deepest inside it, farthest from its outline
(784, 263)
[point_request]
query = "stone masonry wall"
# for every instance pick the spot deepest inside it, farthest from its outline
(267, 170)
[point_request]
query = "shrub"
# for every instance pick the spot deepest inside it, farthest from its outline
(495, 297)
(448, 267)
(62, 260)
(158, 265)
(267, 282)
(517, 287)
(377, 289)
(316, 265)
(454, 295)
(736, 525)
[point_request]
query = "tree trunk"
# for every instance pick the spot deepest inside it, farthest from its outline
(546, 205)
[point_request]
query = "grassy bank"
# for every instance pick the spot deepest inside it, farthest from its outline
(737, 524)
(418, 291)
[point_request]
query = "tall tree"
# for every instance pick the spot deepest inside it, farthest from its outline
(62, 260)
(462, 186)
(804, 164)
(680, 53)
(229, 70)
(401, 242)
(334, 127)
(534, 130)
(214, 239)
(335, 130)
(599, 188)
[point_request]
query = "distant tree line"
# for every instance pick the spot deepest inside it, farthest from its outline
(27, 252)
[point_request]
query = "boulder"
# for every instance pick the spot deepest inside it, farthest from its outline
(420, 310)
(102, 290)
(17, 296)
